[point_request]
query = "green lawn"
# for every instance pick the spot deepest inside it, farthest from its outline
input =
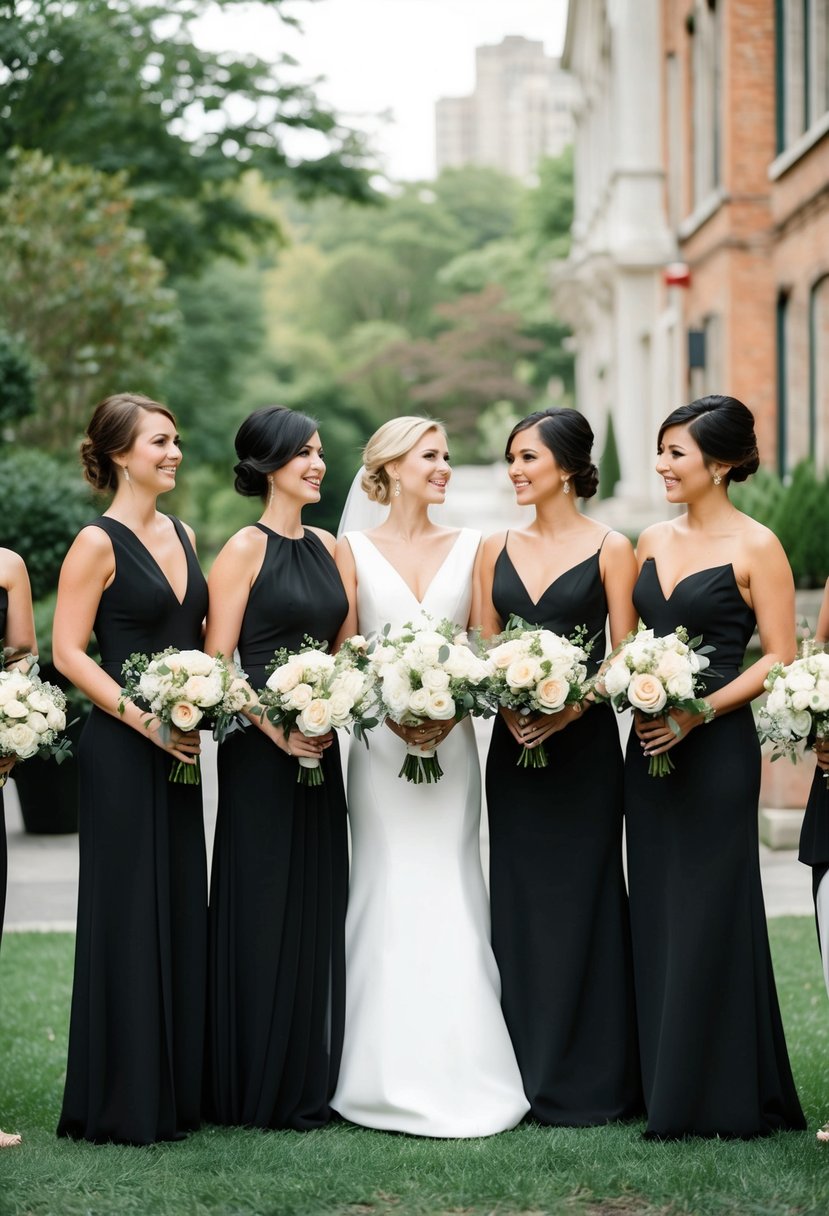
(600, 1172)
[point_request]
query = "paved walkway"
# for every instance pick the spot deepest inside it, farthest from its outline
(43, 870)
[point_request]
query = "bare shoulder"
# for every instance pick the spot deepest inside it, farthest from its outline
(12, 567)
(615, 544)
(243, 550)
(653, 538)
(327, 539)
(492, 545)
(759, 543)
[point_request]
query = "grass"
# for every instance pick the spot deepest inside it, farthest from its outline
(349, 1172)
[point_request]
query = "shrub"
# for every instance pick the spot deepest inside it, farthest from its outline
(609, 470)
(760, 496)
(800, 523)
(45, 504)
(16, 380)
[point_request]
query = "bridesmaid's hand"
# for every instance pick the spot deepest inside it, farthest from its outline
(6, 765)
(822, 754)
(298, 744)
(184, 745)
(532, 729)
(656, 735)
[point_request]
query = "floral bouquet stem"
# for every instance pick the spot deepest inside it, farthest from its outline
(660, 766)
(421, 764)
(309, 771)
(532, 757)
(185, 774)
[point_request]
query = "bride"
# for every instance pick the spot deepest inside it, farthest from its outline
(426, 1049)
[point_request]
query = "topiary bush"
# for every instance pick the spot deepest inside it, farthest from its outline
(45, 504)
(609, 468)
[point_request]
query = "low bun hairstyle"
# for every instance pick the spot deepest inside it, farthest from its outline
(112, 430)
(391, 442)
(723, 429)
(569, 436)
(267, 440)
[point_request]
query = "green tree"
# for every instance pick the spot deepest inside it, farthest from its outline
(17, 380)
(80, 287)
(120, 85)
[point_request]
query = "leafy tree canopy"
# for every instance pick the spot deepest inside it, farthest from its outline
(120, 85)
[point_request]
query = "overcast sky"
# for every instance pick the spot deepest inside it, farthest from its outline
(397, 55)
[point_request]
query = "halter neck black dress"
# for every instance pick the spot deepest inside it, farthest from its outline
(560, 928)
(136, 1035)
(4, 859)
(714, 1057)
(279, 880)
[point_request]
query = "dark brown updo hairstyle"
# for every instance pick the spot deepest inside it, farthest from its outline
(267, 440)
(112, 429)
(723, 430)
(569, 436)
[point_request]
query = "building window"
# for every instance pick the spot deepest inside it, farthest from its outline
(802, 66)
(706, 59)
(819, 372)
(782, 381)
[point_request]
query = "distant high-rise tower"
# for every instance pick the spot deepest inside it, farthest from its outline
(521, 110)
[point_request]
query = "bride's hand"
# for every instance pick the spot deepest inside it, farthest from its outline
(429, 734)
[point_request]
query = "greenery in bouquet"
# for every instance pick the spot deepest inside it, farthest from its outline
(32, 717)
(429, 672)
(655, 675)
(796, 711)
(536, 671)
(314, 691)
(185, 689)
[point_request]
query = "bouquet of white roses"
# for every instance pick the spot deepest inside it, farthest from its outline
(428, 672)
(32, 716)
(184, 688)
(797, 707)
(315, 691)
(654, 675)
(538, 671)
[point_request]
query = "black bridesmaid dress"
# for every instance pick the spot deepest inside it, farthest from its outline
(136, 1034)
(279, 880)
(714, 1057)
(814, 836)
(560, 926)
(4, 857)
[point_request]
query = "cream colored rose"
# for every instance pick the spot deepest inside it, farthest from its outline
(501, 656)
(315, 718)
(284, 678)
(350, 682)
(551, 692)
(357, 642)
(340, 705)
(22, 739)
(419, 702)
(670, 664)
(617, 677)
(645, 692)
(441, 706)
(39, 701)
(194, 662)
(38, 722)
(15, 709)
(203, 690)
(185, 716)
(435, 679)
(681, 685)
(55, 718)
(300, 697)
(523, 672)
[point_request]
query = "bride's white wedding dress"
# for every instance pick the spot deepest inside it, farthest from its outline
(426, 1049)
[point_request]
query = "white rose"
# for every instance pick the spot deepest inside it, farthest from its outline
(419, 702)
(15, 709)
(800, 679)
(616, 678)
(284, 678)
(316, 660)
(670, 664)
(340, 705)
(315, 718)
(395, 693)
(185, 716)
(383, 654)
(441, 706)
(22, 740)
(149, 686)
(203, 690)
(435, 679)
(239, 695)
(38, 723)
(38, 700)
(55, 718)
(523, 672)
(801, 699)
(299, 697)
(645, 692)
(194, 662)
(501, 656)
(17, 684)
(776, 700)
(350, 682)
(357, 642)
(681, 685)
(551, 692)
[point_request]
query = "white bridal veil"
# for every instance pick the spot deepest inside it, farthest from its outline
(359, 513)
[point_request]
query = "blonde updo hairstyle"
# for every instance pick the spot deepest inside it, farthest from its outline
(111, 431)
(394, 440)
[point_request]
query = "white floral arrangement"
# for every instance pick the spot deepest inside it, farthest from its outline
(316, 692)
(796, 711)
(536, 671)
(32, 717)
(429, 672)
(187, 689)
(654, 675)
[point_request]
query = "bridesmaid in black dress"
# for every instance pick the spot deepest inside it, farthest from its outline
(560, 927)
(714, 1058)
(17, 638)
(814, 836)
(280, 860)
(136, 1035)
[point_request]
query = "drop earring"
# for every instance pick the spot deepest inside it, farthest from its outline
(270, 491)
(126, 475)
(717, 479)
(567, 485)
(397, 487)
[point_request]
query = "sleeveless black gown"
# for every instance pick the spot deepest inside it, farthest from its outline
(279, 880)
(714, 1057)
(814, 835)
(4, 858)
(136, 1034)
(560, 927)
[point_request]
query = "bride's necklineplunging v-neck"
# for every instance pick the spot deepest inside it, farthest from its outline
(420, 602)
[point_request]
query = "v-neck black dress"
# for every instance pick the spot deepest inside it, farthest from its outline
(136, 1035)
(279, 879)
(560, 927)
(714, 1058)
